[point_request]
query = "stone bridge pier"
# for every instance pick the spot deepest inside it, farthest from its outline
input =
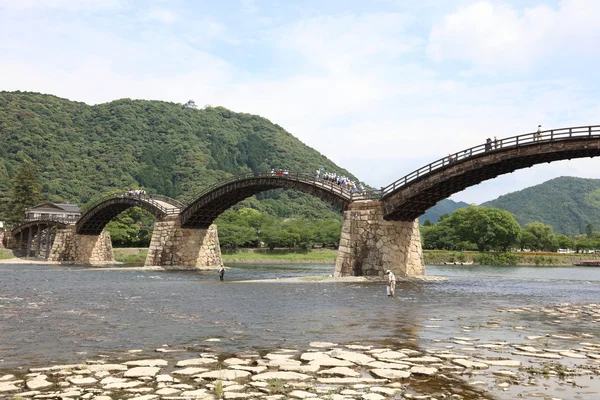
(70, 246)
(174, 247)
(370, 245)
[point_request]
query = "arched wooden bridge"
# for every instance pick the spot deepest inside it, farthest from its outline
(34, 236)
(410, 196)
(95, 218)
(403, 200)
(213, 201)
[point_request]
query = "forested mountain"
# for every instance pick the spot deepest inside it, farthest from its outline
(568, 204)
(82, 151)
(445, 206)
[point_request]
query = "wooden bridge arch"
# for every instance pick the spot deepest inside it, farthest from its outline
(410, 196)
(213, 201)
(95, 218)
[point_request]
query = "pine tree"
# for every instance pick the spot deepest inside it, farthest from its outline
(27, 191)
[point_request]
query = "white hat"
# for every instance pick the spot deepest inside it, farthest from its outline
(388, 271)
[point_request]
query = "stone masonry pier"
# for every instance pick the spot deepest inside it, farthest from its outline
(369, 245)
(81, 249)
(174, 247)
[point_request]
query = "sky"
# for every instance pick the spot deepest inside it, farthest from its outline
(381, 87)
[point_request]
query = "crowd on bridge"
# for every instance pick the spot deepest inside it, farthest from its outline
(341, 180)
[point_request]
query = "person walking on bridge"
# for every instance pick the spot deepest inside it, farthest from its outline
(539, 133)
(391, 284)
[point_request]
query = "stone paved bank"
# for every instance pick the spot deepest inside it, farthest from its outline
(551, 366)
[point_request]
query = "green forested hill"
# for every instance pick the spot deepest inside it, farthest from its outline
(568, 204)
(445, 206)
(82, 151)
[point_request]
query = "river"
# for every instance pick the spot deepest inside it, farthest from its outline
(62, 314)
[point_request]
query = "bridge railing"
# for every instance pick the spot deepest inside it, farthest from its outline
(527, 139)
(299, 177)
(155, 199)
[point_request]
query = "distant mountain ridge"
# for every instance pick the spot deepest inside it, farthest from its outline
(81, 152)
(445, 206)
(569, 204)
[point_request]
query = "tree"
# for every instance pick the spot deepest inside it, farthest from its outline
(190, 104)
(488, 228)
(540, 237)
(26, 192)
(589, 230)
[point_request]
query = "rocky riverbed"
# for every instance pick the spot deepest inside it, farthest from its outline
(549, 366)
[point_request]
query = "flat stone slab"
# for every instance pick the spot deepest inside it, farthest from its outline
(123, 385)
(469, 363)
(194, 362)
(503, 363)
(332, 362)
(340, 371)
(236, 361)
(148, 363)
(83, 381)
(390, 355)
(326, 345)
(423, 360)
(387, 365)
(419, 370)
(189, 371)
(8, 387)
(350, 381)
(572, 354)
(392, 374)
(141, 371)
(284, 376)
(508, 374)
(146, 397)
(356, 358)
(300, 394)
(36, 384)
(372, 396)
(253, 370)
(107, 367)
(167, 392)
(549, 356)
(225, 374)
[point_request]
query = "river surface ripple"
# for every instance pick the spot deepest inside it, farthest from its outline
(58, 314)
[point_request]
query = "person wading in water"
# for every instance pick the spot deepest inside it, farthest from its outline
(221, 272)
(391, 285)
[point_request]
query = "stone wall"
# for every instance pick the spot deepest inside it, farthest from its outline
(174, 247)
(2, 233)
(369, 245)
(81, 249)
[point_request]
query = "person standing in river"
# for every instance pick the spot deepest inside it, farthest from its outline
(391, 283)
(221, 273)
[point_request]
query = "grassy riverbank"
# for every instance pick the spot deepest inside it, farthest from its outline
(6, 254)
(138, 256)
(538, 258)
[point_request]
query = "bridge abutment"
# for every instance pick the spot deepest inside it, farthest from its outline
(370, 245)
(174, 247)
(70, 246)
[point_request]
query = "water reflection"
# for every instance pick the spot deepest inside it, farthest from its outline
(50, 313)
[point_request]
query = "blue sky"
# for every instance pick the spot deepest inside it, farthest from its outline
(381, 87)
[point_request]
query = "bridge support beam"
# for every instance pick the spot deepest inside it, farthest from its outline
(81, 249)
(369, 245)
(174, 247)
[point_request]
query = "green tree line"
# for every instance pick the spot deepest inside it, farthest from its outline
(491, 229)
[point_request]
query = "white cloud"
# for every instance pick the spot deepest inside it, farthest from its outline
(67, 5)
(497, 36)
(347, 42)
(162, 15)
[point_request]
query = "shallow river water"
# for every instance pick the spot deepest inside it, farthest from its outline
(58, 314)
